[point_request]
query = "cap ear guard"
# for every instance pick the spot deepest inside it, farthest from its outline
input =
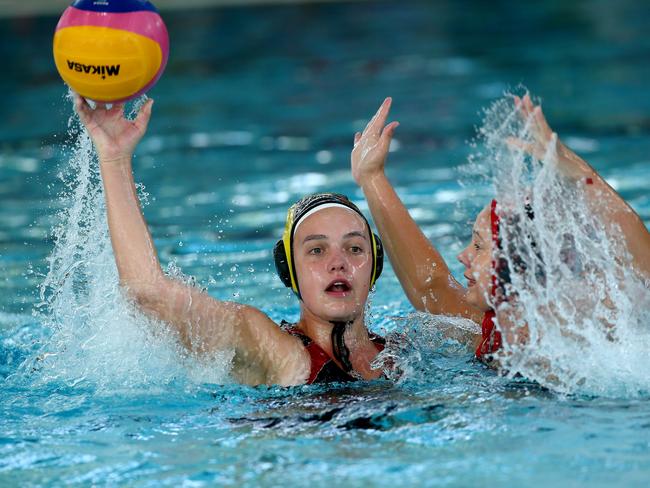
(282, 254)
(379, 259)
(282, 251)
(281, 263)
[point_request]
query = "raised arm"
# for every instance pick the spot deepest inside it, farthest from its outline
(263, 352)
(603, 200)
(115, 139)
(423, 273)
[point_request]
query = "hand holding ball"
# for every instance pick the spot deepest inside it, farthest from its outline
(111, 50)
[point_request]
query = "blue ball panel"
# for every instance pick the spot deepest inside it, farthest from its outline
(114, 6)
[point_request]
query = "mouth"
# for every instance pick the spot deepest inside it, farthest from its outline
(470, 281)
(339, 287)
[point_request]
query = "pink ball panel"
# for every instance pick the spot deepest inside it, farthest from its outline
(145, 23)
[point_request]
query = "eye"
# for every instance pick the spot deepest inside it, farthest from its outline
(316, 250)
(356, 250)
(477, 247)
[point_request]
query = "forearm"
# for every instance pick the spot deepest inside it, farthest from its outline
(420, 268)
(609, 207)
(417, 264)
(135, 254)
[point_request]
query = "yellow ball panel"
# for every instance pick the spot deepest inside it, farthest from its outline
(105, 64)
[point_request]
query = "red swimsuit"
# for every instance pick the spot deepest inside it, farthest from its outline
(491, 338)
(323, 368)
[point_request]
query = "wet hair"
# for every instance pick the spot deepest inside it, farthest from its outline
(521, 253)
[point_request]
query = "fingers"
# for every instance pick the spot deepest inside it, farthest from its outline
(552, 142)
(80, 103)
(376, 124)
(540, 120)
(518, 144)
(524, 104)
(377, 127)
(389, 130)
(528, 103)
(82, 108)
(530, 110)
(115, 108)
(142, 120)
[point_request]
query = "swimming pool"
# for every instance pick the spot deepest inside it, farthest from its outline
(257, 107)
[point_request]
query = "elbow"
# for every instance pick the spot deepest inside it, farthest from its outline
(143, 293)
(426, 295)
(422, 299)
(424, 290)
(137, 293)
(419, 294)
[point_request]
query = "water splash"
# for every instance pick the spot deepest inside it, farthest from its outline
(424, 346)
(587, 312)
(97, 337)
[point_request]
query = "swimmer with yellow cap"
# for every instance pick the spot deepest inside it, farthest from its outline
(328, 256)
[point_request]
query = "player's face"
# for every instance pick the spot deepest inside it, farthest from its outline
(333, 260)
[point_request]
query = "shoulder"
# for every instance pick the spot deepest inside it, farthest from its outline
(263, 324)
(287, 360)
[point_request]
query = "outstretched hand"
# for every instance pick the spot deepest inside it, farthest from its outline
(545, 142)
(114, 136)
(371, 146)
(543, 138)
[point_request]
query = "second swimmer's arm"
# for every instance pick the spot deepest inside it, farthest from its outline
(423, 273)
(603, 200)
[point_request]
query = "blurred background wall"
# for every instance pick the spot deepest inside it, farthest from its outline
(19, 8)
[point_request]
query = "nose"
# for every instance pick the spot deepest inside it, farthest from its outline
(464, 258)
(337, 261)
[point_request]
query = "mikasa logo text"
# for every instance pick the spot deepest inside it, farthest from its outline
(93, 69)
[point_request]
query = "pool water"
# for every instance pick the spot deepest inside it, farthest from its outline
(257, 107)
